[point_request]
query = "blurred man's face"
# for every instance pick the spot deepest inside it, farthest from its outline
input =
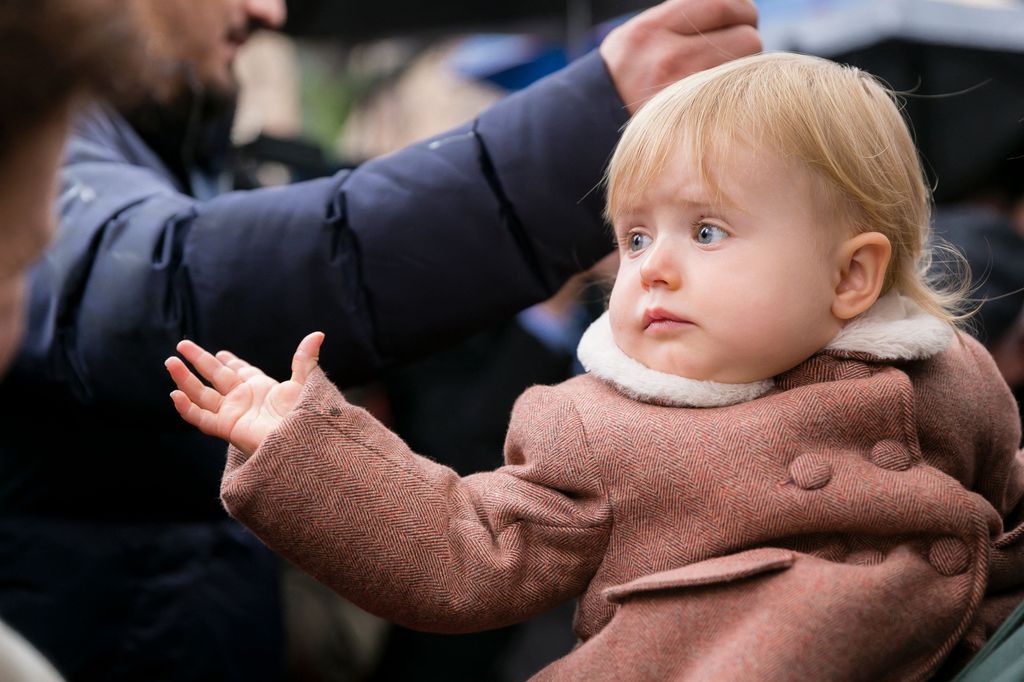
(207, 34)
(28, 185)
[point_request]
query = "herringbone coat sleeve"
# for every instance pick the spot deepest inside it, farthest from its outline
(336, 493)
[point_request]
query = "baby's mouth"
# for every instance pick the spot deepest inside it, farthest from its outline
(657, 319)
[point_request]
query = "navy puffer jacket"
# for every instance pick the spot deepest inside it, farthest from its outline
(119, 561)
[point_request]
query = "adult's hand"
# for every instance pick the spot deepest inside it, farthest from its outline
(675, 39)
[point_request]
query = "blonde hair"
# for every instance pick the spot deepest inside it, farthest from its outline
(839, 121)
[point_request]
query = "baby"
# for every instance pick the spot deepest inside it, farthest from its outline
(783, 462)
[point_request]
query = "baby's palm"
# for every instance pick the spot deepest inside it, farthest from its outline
(253, 409)
(242, 405)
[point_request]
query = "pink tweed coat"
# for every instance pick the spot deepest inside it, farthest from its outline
(852, 521)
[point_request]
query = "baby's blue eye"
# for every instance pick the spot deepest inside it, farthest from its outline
(638, 241)
(709, 234)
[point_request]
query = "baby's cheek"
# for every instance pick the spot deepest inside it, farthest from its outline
(618, 310)
(620, 331)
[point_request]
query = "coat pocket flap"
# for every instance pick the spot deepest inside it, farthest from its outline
(709, 572)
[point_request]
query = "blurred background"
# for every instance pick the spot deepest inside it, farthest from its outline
(348, 81)
(345, 76)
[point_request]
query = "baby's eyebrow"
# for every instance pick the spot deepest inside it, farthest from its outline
(619, 224)
(626, 216)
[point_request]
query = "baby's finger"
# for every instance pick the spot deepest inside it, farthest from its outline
(209, 367)
(230, 359)
(193, 389)
(246, 372)
(204, 420)
(241, 367)
(306, 356)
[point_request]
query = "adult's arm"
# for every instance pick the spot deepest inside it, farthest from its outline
(389, 260)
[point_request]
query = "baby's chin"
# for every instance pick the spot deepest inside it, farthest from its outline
(693, 365)
(685, 368)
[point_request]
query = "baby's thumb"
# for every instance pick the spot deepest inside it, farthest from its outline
(306, 356)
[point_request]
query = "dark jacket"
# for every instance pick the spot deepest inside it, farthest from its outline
(119, 560)
(994, 252)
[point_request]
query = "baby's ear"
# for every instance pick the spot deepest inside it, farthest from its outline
(863, 261)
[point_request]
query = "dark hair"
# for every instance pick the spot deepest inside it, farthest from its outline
(52, 51)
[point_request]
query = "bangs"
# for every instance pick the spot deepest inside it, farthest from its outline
(696, 117)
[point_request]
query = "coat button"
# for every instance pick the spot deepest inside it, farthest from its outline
(949, 556)
(810, 472)
(892, 455)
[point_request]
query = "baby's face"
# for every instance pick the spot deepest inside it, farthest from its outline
(730, 293)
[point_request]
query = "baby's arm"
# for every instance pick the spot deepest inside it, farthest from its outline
(328, 487)
(338, 494)
(243, 405)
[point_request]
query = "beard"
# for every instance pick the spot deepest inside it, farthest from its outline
(186, 120)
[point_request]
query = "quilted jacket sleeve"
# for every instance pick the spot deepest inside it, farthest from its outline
(343, 498)
(391, 259)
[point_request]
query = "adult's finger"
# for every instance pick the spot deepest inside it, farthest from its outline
(678, 57)
(195, 390)
(209, 367)
(699, 16)
(679, 39)
(710, 49)
(306, 356)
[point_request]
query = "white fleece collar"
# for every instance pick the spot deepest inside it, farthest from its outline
(894, 328)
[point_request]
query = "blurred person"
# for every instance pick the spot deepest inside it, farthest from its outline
(986, 224)
(124, 569)
(785, 461)
(54, 55)
(28, 176)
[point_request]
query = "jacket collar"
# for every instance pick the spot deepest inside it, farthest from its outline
(893, 329)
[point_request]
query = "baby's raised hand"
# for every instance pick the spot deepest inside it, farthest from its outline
(244, 405)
